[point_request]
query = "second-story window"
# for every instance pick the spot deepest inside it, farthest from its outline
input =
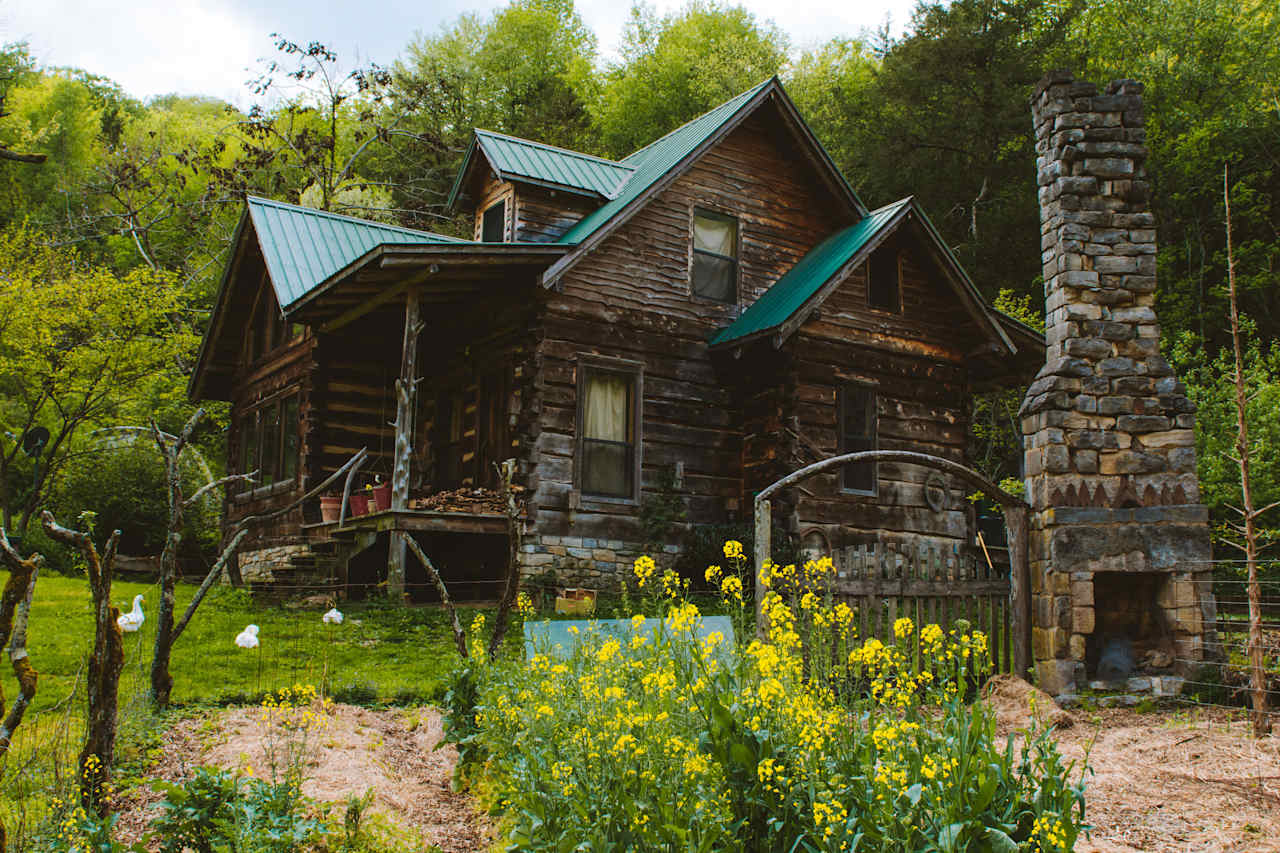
(493, 224)
(715, 256)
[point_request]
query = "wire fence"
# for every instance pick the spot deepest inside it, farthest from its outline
(1220, 674)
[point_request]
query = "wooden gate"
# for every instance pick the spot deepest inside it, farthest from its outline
(888, 580)
(928, 582)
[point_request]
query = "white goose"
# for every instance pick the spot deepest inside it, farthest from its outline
(132, 621)
(248, 638)
(332, 617)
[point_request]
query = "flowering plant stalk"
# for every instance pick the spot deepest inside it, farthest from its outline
(668, 737)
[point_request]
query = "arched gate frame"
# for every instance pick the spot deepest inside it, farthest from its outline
(1016, 517)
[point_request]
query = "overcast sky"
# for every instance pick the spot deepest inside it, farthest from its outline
(154, 47)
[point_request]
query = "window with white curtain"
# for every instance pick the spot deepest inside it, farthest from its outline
(607, 433)
(715, 256)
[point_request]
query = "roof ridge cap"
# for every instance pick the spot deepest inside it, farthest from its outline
(580, 154)
(746, 95)
(312, 211)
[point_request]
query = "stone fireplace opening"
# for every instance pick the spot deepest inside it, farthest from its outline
(1132, 633)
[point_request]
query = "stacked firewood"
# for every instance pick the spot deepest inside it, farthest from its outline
(461, 500)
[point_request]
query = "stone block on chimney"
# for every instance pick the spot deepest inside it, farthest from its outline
(1142, 423)
(1130, 462)
(1108, 167)
(1117, 367)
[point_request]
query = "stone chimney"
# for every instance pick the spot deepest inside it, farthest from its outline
(1119, 540)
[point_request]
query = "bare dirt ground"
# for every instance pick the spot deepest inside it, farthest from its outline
(1191, 780)
(1188, 780)
(392, 751)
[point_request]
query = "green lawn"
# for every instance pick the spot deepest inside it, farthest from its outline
(386, 652)
(379, 654)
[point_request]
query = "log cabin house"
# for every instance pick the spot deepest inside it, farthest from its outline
(692, 321)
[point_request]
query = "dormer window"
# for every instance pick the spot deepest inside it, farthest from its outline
(715, 257)
(884, 280)
(493, 224)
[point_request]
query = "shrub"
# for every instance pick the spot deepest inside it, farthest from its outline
(806, 741)
(125, 487)
(218, 810)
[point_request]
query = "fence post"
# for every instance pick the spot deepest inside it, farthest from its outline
(1016, 520)
(764, 550)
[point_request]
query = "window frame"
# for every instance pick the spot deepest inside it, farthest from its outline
(251, 422)
(843, 393)
(896, 308)
(587, 365)
(502, 221)
(268, 331)
(710, 213)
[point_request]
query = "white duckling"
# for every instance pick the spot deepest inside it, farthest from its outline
(132, 621)
(332, 617)
(248, 638)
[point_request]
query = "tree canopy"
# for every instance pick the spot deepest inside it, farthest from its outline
(148, 193)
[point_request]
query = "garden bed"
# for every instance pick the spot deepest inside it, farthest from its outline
(392, 751)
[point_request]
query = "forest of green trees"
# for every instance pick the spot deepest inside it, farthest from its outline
(104, 197)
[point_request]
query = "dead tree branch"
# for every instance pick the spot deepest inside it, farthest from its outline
(15, 608)
(105, 664)
(1257, 676)
(459, 636)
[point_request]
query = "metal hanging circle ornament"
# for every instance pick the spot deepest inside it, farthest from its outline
(935, 491)
(34, 441)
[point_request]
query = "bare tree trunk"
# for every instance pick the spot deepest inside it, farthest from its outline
(1257, 673)
(506, 473)
(170, 451)
(15, 608)
(167, 629)
(105, 664)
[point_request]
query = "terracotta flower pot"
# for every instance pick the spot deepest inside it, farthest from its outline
(381, 498)
(330, 508)
(359, 505)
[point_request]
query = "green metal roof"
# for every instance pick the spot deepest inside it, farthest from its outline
(522, 159)
(800, 283)
(656, 159)
(303, 247)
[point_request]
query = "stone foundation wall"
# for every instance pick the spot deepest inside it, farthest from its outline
(258, 566)
(595, 563)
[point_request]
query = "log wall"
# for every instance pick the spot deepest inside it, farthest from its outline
(631, 299)
(915, 361)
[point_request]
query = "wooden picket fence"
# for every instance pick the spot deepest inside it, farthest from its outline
(929, 581)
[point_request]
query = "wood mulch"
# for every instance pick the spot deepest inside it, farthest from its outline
(392, 751)
(1169, 780)
(1178, 780)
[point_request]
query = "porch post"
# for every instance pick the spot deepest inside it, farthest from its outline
(763, 551)
(406, 391)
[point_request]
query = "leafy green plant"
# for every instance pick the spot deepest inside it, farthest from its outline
(663, 735)
(218, 810)
(192, 813)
